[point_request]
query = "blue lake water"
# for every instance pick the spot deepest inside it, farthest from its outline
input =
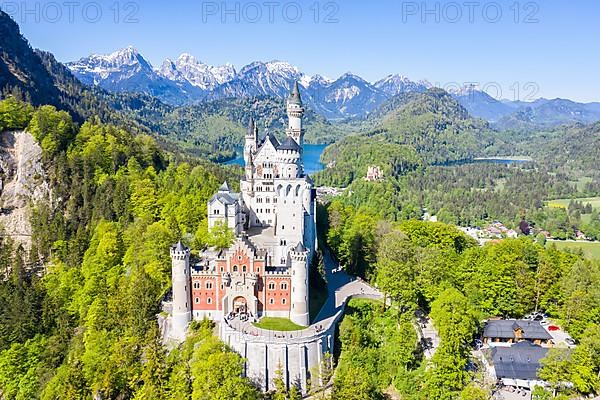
(312, 158)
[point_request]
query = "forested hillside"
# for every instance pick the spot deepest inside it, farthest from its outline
(432, 125)
(213, 129)
(425, 144)
(439, 270)
(85, 325)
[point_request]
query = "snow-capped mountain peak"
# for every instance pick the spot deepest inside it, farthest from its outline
(186, 79)
(188, 68)
(117, 66)
(396, 84)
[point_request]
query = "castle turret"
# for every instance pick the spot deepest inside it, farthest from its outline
(181, 314)
(295, 112)
(299, 257)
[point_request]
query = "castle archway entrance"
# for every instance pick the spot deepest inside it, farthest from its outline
(240, 305)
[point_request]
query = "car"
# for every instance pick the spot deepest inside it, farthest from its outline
(570, 341)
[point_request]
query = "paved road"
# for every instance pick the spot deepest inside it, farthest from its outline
(431, 337)
(340, 286)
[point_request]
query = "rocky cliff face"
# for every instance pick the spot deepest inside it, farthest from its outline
(22, 183)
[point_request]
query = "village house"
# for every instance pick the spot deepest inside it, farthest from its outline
(515, 331)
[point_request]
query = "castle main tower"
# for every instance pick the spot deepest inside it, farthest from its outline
(295, 112)
(182, 299)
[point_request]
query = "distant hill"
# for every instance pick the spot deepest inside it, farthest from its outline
(425, 128)
(544, 113)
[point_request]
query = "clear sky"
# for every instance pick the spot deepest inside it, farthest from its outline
(553, 44)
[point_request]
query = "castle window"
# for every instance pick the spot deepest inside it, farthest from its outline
(271, 285)
(235, 268)
(216, 212)
(268, 199)
(209, 301)
(271, 301)
(196, 285)
(244, 268)
(283, 301)
(197, 300)
(209, 285)
(284, 286)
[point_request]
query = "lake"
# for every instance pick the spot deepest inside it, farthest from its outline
(312, 158)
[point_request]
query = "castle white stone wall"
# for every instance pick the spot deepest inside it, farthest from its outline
(298, 356)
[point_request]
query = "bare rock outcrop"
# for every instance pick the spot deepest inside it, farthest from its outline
(22, 183)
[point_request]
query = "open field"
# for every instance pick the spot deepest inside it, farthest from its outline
(590, 249)
(581, 182)
(564, 203)
(278, 324)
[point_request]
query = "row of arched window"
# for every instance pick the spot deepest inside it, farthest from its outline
(208, 300)
(272, 301)
(198, 285)
(236, 268)
(288, 190)
(272, 285)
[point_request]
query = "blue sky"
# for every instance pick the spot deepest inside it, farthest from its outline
(553, 44)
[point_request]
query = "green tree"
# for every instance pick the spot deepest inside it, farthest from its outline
(556, 368)
(354, 383)
(396, 272)
(221, 236)
(14, 114)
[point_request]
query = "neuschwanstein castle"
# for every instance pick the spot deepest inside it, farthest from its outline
(265, 271)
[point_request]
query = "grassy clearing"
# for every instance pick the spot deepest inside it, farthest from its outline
(581, 182)
(564, 203)
(590, 249)
(277, 324)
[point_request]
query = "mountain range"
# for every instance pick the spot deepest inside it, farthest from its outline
(188, 81)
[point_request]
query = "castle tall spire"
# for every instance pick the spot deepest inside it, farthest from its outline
(295, 95)
(251, 127)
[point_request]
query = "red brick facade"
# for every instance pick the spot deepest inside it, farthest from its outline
(273, 290)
